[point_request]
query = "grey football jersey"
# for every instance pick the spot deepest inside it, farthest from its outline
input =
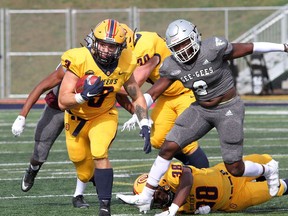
(209, 76)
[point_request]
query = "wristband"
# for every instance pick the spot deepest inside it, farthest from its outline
(79, 99)
(148, 99)
(173, 209)
(286, 47)
(262, 47)
(143, 122)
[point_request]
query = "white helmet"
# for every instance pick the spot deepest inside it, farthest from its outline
(178, 32)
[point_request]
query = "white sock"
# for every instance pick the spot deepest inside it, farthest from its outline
(80, 188)
(253, 169)
(147, 192)
(160, 166)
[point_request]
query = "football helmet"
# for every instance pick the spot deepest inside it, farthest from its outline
(130, 36)
(110, 35)
(183, 39)
(163, 196)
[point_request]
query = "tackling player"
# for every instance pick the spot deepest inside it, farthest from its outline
(203, 67)
(200, 190)
(150, 50)
(91, 118)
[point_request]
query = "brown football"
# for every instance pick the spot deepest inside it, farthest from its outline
(81, 81)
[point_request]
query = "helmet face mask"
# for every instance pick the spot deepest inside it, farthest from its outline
(162, 197)
(108, 41)
(183, 39)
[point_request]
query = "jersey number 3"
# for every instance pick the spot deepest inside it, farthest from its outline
(200, 87)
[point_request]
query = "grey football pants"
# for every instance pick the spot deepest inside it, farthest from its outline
(196, 121)
(49, 127)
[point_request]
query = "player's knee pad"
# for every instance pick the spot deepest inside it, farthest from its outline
(189, 149)
(157, 140)
(85, 170)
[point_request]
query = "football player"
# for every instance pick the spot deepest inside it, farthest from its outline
(151, 50)
(203, 67)
(48, 128)
(91, 118)
(212, 189)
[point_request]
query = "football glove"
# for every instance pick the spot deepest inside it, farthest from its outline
(172, 210)
(90, 91)
(145, 133)
(203, 210)
(130, 124)
(18, 126)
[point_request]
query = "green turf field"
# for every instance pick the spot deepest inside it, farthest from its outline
(266, 131)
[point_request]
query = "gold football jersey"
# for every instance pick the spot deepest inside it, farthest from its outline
(211, 186)
(81, 61)
(149, 44)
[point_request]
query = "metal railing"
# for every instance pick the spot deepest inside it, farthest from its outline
(23, 64)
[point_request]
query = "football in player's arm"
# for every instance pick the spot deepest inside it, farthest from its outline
(91, 117)
(48, 128)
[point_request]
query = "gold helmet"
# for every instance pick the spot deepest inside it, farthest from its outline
(139, 183)
(130, 36)
(159, 201)
(110, 34)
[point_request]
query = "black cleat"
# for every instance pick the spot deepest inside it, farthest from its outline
(79, 202)
(104, 208)
(28, 179)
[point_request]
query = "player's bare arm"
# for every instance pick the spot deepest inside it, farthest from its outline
(159, 87)
(184, 188)
(47, 83)
(243, 49)
(124, 101)
(66, 98)
(142, 72)
(138, 99)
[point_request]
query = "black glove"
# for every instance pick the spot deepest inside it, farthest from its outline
(145, 133)
(91, 91)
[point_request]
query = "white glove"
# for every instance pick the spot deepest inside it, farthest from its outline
(170, 212)
(18, 126)
(203, 210)
(130, 124)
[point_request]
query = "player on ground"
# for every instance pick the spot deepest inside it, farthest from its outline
(198, 191)
(151, 50)
(203, 67)
(91, 118)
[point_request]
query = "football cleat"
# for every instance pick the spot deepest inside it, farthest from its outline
(142, 204)
(79, 202)
(28, 179)
(273, 178)
(104, 208)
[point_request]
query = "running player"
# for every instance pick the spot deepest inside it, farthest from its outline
(91, 118)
